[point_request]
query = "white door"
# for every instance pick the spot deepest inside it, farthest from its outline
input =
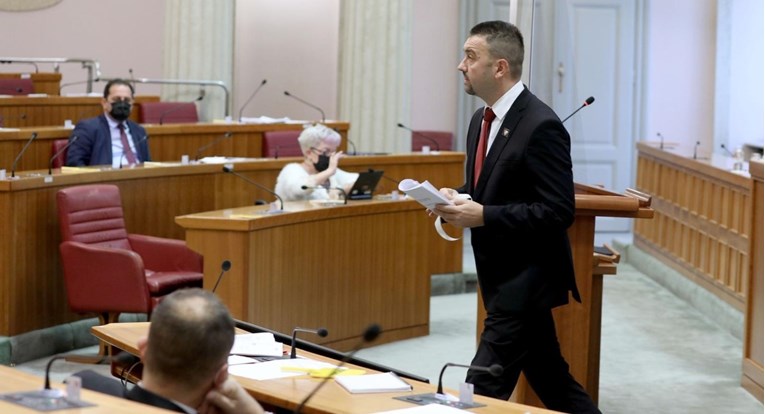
(594, 55)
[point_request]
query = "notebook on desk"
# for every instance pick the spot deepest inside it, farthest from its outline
(365, 185)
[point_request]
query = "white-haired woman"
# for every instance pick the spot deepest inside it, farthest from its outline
(318, 172)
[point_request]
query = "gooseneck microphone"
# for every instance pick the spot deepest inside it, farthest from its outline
(230, 170)
(224, 267)
(180, 106)
(13, 168)
(421, 135)
(322, 332)
(661, 140)
(250, 99)
(323, 118)
(393, 180)
(47, 391)
(494, 369)
(587, 102)
(59, 152)
(696, 150)
(345, 195)
(727, 150)
(370, 334)
(210, 144)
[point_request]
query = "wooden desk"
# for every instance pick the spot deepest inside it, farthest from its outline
(339, 267)
(32, 293)
(166, 142)
(703, 219)
(287, 393)
(578, 324)
(14, 380)
(25, 111)
(48, 83)
(751, 371)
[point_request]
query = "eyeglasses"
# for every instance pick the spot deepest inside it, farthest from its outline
(326, 152)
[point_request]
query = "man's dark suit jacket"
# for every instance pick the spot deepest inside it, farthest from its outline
(140, 395)
(522, 251)
(94, 142)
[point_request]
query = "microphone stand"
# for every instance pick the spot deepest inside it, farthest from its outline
(587, 102)
(250, 99)
(440, 398)
(59, 152)
(206, 146)
(179, 107)
(262, 187)
(15, 161)
(323, 118)
(419, 134)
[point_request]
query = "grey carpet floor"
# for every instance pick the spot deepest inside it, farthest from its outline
(658, 354)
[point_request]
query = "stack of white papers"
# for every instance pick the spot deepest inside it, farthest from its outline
(361, 384)
(260, 344)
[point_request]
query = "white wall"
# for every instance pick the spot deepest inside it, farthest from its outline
(680, 65)
(435, 55)
(294, 45)
(119, 35)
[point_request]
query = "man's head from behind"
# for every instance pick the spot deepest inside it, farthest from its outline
(189, 340)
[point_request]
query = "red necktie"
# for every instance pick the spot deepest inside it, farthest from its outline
(483, 142)
(125, 146)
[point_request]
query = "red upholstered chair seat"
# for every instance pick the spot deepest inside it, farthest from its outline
(109, 271)
(55, 147)
(281, 144)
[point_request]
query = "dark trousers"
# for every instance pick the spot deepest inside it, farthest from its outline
(527, 343)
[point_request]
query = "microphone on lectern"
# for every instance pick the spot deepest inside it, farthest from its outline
(587, 102)
(250, 99)
(421, 135)
(224, 267)
(322, 332)
(370, 334)
(59, 152)
(345, 195)
(15, 161)
(230, 170)
(180, 106)
(323, 118)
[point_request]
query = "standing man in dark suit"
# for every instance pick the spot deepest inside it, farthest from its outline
(519, 175)
(110, 138)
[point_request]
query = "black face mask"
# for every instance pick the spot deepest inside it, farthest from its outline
(120, 110)
(322, 164)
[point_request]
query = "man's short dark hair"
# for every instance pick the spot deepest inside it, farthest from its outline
(190, 337)
(117, 82)
(505, 41)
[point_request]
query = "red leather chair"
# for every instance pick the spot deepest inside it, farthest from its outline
(107, 270)
(281, 144)
(56, 146)
(445, 140)
(16, 86)
(169, 113)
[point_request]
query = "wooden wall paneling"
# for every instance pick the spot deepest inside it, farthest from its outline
(752, 364)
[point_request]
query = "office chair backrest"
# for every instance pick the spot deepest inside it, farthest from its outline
(56, 146)
(16, 86)
(445, 140)
(277, 144)
(169, 113)
(92, 214)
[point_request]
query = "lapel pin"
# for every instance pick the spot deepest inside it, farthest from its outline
(505, 132)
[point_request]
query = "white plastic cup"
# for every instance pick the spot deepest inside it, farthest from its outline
(228, 119)
(2, 174)
(68, 123)
(426, 149)
(185, 159)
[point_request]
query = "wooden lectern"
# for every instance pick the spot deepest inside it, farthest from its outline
(578, 324)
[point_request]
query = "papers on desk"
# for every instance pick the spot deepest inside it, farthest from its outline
(269, 120)
(373, 383)
(260, 344)
(222, 160)
(427, 409)
(279, 368)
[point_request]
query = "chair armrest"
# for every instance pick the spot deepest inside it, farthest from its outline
(103, 279)
(165, 255)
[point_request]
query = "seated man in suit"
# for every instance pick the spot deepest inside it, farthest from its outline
(185, 357)
(110, 138)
